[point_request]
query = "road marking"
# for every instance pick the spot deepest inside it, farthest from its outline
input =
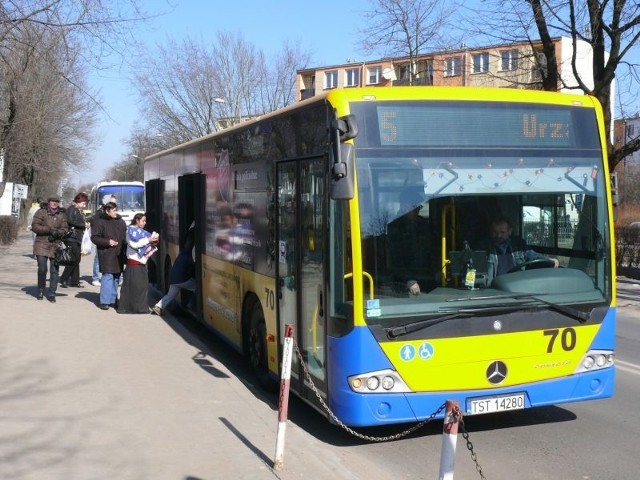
(628, 367)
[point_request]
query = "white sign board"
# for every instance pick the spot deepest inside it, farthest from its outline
(20, 191)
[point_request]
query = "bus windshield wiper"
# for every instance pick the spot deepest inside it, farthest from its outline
(394, 332)
(579, 315)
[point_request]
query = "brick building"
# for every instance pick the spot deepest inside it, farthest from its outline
(517, 65)
(624, 130)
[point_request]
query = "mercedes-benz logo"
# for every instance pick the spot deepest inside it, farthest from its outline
(496, 372)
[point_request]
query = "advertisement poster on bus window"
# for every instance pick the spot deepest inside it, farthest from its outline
(237, 214)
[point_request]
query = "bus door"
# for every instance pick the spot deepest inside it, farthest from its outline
(300, 271)
(190, 208)
(154, 194)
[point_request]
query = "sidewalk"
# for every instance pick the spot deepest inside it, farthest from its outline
(91, 394)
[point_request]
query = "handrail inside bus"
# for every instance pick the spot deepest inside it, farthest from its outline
(449, 208)
(371, 297)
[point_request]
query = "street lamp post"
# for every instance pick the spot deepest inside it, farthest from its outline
(218, 100)
(123, 171)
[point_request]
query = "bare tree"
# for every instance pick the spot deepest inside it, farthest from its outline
(53, 116)
(237, 64)
(406, 28)
(189, 89)
(48, 46)
(278, 88)
(141, 143)
(181, 89)
(609, 27)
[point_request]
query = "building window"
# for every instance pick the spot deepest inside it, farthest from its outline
(352, 77)
(331, 79)
(481, 63)
(452, 66)
(630, 131)
(428, 73)
(405, 73)
(374, 75)
(509, 60)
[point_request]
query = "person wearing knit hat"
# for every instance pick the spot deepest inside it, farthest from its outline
(50, 226)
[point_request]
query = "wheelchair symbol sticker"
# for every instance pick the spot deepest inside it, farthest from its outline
(425, 351)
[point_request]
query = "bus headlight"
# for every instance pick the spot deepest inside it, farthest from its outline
(588, 362)
(383, 381)
(388, 382)
(373, 383)
(596, 360)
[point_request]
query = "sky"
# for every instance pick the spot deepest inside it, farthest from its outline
(328, 30)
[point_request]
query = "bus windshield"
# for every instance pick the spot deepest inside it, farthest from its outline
(129, 197)
(434, 178)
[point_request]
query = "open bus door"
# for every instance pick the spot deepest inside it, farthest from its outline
(154, 192)
(190, 210)
(301, 252)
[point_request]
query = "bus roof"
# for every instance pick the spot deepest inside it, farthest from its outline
(365, 94)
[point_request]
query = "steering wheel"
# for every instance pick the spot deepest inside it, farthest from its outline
(533, 264)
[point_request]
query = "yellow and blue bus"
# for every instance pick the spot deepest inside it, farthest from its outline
(362, 217)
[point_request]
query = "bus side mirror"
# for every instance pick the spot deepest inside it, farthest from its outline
(342, 160)
(614, 195)
(342, 178)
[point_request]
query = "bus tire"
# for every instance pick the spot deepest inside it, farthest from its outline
(257, 343)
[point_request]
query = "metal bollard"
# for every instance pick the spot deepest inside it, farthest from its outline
(283, 402)
(449, 440)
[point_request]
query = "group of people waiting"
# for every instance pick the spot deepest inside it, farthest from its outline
(121, 250)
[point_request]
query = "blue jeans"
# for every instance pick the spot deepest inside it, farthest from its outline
(42, 273)
(174, 290)
(109, 288)
(96, 268)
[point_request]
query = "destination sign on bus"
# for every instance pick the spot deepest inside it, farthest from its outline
(469, 124)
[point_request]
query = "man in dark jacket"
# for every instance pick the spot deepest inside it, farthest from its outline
(108, 233)
(50, 226)
(77, 224)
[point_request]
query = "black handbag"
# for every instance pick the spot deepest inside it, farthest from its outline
(64, 256)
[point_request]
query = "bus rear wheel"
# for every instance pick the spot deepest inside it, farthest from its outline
(258, 347)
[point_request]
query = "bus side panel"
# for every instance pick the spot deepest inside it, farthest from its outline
(221, 299)
(225, 288)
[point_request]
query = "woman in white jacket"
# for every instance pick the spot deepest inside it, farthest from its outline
(135, 286)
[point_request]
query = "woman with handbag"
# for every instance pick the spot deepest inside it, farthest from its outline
(78, 223)
(50, 226)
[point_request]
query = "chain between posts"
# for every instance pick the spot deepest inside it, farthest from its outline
(339, 422)
(396, 436)
(465, 435)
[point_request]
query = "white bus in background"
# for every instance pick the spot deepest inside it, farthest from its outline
(129, 197)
